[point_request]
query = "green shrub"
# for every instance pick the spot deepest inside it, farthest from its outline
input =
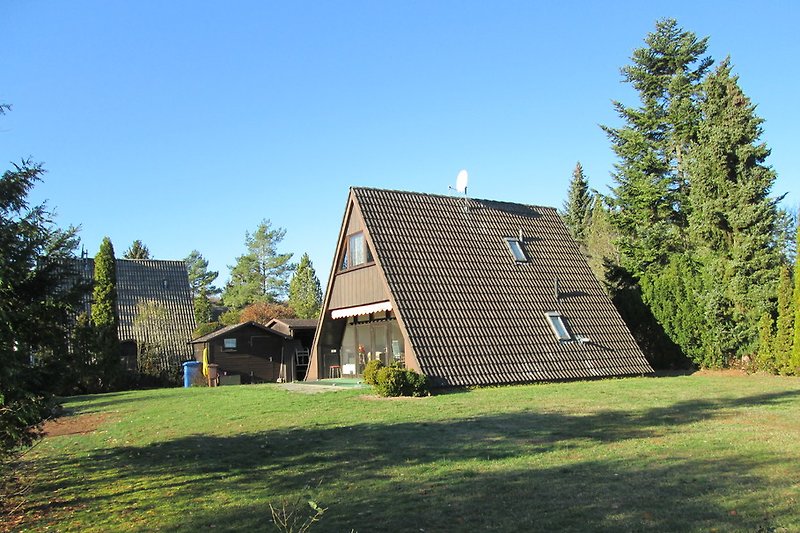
(419, 384)
(396, 381)
(371, 371)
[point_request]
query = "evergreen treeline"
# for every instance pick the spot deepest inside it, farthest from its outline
(690, 242)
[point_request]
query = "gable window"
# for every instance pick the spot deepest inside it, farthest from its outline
(558, 326)
(356, 252)
(229, 344)
(515, 247)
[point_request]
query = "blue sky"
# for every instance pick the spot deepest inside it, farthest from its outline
(184, 124)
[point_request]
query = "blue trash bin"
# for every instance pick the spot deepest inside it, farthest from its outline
(190, 371)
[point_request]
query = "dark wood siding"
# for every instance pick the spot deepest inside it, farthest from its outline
(257, 356)
(357, 287)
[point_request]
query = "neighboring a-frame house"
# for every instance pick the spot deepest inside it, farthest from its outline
(468, 292)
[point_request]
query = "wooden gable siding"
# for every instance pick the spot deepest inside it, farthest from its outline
(357, 287)
(361, 285)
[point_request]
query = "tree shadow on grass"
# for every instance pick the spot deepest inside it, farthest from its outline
(481, 472)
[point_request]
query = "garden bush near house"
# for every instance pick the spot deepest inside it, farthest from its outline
(371, 371)
(397, 381)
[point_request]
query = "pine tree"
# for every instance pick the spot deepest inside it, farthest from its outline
(137, 251)
(577, 208)
(201, 279)
(305, 293)
(262, 274)
(650, 195)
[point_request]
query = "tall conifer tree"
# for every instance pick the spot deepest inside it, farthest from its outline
(651, 190)
(305, 293)
(733, 220)
(104, 297)
(578, 206)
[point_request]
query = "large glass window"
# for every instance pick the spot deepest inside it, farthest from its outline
(366, 339)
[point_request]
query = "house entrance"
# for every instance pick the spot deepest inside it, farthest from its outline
(370, 337)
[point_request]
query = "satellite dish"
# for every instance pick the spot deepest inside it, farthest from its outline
(461, 181)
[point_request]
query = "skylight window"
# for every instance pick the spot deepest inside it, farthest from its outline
(515, 246)
(558, 326)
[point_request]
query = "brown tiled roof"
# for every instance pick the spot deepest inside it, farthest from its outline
(474, 315)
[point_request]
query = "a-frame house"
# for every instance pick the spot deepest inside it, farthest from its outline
(468, 292)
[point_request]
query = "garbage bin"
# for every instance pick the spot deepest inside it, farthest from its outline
(213, 374)
(190, 372)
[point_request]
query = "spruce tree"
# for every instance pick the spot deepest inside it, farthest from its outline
(577, 207)
(305, 293)
(137, 251)
(733, 221)
(35, 304)
(650, 195)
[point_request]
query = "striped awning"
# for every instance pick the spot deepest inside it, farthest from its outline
(361, 309)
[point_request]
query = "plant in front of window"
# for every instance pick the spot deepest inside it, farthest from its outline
(371, 371)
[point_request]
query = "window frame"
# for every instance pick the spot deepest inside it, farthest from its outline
(346, 262)
(515, 245)
(558, 326)
(226, 345)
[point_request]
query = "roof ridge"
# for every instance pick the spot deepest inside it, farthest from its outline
(449, 196)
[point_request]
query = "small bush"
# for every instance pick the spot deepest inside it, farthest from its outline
(371, 371)
(395, 381)
(419, 384)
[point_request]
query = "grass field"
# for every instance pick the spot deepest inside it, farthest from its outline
(713, 452)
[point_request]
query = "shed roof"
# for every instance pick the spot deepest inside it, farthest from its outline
(227, 330)
(473, 313)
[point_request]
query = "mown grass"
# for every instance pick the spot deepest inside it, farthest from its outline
(686, 453)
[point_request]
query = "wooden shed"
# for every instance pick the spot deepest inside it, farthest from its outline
(259, 354)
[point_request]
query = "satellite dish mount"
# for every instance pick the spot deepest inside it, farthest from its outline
(461, 185)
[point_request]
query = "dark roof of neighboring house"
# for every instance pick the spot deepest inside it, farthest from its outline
(294, 323)
(476, 316)
(227, 330)
(165, 283)
(162, 282)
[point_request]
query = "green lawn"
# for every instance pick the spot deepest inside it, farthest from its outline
(688, 453)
